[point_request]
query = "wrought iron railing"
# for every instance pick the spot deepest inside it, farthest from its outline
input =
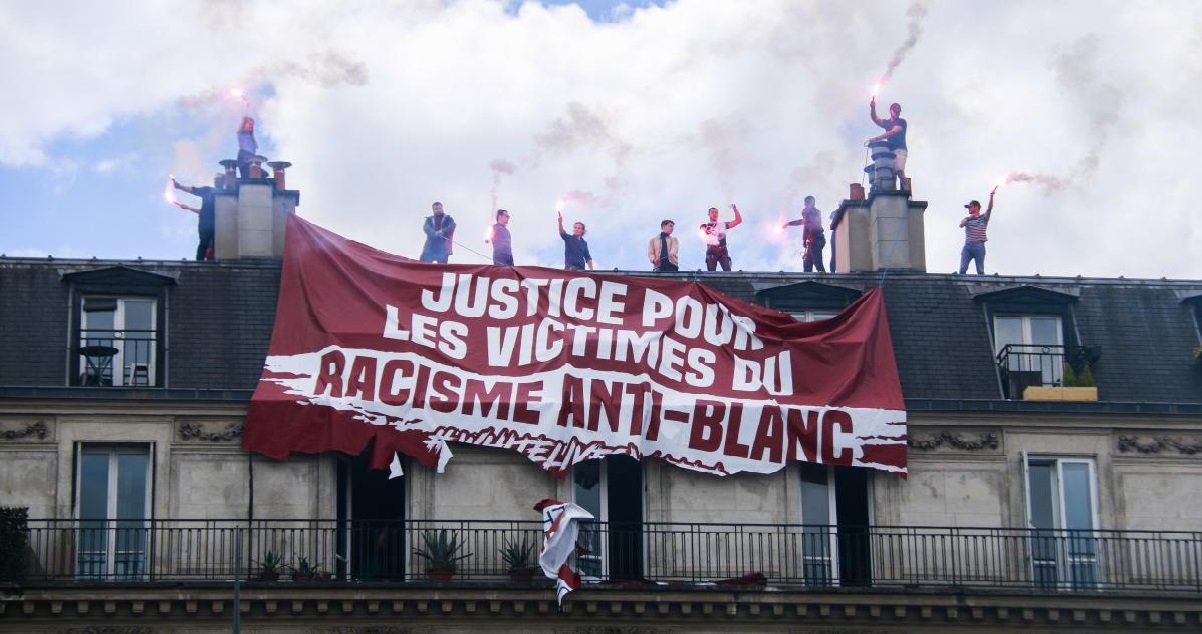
(1022, 366)
(130, 551)
(116, 358)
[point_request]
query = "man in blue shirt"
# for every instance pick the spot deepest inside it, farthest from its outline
(440, 235)
(247, 147)
(575, 249)
(206, 225)
(894, 135)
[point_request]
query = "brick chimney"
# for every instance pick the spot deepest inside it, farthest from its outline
(885, 231)
(251, 213)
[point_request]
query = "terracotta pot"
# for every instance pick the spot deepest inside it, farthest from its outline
(521, 575)
(440, 575)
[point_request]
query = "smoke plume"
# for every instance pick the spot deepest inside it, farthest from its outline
(917, 12)
(499, 167)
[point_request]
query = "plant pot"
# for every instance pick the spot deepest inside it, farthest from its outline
(269, 575)
(1038, 393)
(521, 575)
(302, 578)
(440, 575)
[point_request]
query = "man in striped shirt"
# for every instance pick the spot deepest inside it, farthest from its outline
(974, 234)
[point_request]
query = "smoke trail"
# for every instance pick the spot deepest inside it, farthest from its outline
(1048, 183)
(917, 12)
(499, 167)
(719, 139)
(581, 128)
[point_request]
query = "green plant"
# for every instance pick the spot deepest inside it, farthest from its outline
(14, 537)
(443, 549)
(304, 570)
(518, 555)
(1085, 379)
(1070, 376)
(270, 565)
(1198, 353)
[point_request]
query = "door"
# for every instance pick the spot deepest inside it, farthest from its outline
(374, 535)
(612, 490)
(1061, 517)
(112, 499)
(117, 341)
(836, 533)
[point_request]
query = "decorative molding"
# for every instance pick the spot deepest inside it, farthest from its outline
(205, 432)
(984, 440)
(37, 428)
(1154, 445)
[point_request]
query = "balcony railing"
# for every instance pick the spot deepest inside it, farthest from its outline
(701, 555)
(116, 358)
(1022, 366)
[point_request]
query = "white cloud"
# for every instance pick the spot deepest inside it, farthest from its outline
(660, 114)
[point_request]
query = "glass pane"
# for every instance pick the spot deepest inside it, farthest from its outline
(1007, 330)
(586, 492)
(1043, 502)
(139, 314)
(1045, 331)
(131, 511)
(93, 486)
(93, 511)
(1078, 500)
(816, 516)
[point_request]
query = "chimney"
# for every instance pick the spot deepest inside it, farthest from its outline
(251, 213)
(886, 230)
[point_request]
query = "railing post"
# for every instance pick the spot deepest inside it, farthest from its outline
(237, 580)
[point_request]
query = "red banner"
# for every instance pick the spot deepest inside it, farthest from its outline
(563, 367)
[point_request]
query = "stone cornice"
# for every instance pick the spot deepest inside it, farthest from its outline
(365, 608)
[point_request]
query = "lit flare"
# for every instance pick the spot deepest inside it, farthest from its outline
(169, 192)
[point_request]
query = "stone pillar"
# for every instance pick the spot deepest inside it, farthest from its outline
(884, 232)
(251, 218)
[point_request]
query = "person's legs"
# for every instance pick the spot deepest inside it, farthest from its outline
(899, 165)
(818, 259)
(711, 260)
(965, 256)
(807, 260)
(832, 251)
(980, 258)
(724, 260)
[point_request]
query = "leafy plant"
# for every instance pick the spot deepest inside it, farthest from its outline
(1198, 354)
(443, 549)
(1070, 376)
(518, 555)
(1073, 379)
(270, 565)
(304, 569)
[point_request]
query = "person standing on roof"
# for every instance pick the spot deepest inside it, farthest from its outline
(206, 225)
(247, 147)
(663, 249)
(974, 234)
(812, 236)
(440, 235)
(714, 234)
(575, 249)
(502, 242)
(894, 135)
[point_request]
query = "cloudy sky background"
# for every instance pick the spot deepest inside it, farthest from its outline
(634, 112)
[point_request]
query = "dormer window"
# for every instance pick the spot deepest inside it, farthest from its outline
(1034, 338)
(808, 301)
(118, 326)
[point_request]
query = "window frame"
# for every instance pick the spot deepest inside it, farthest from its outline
(1061, 537)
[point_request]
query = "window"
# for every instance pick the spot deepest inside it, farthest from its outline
(112, 502)
(835, 535)
(814, 315)
(1061, 516)
(117, 341)
(1030, 348)
(612, 490)
(117, 327)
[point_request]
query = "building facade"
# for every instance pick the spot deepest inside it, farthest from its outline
(1054, 475)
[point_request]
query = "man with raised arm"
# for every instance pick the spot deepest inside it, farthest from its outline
(714, 234)
(974, 225)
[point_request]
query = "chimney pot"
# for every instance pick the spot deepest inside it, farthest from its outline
(230, 175)
(256, 166)
(277, 173)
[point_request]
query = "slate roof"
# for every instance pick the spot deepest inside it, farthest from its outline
(220, 318)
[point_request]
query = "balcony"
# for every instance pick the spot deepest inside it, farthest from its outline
(700, 556)
(1022, 366)
(115, 358)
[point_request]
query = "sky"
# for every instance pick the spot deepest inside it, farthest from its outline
(626, 112)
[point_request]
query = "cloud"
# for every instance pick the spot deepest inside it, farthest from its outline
(652, 113)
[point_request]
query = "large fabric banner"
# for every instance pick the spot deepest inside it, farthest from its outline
(373, 348)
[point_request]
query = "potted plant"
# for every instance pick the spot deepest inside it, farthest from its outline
(304, 570)
(443, 551)
(1073, 387)
(519, 557)
(270, 565)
